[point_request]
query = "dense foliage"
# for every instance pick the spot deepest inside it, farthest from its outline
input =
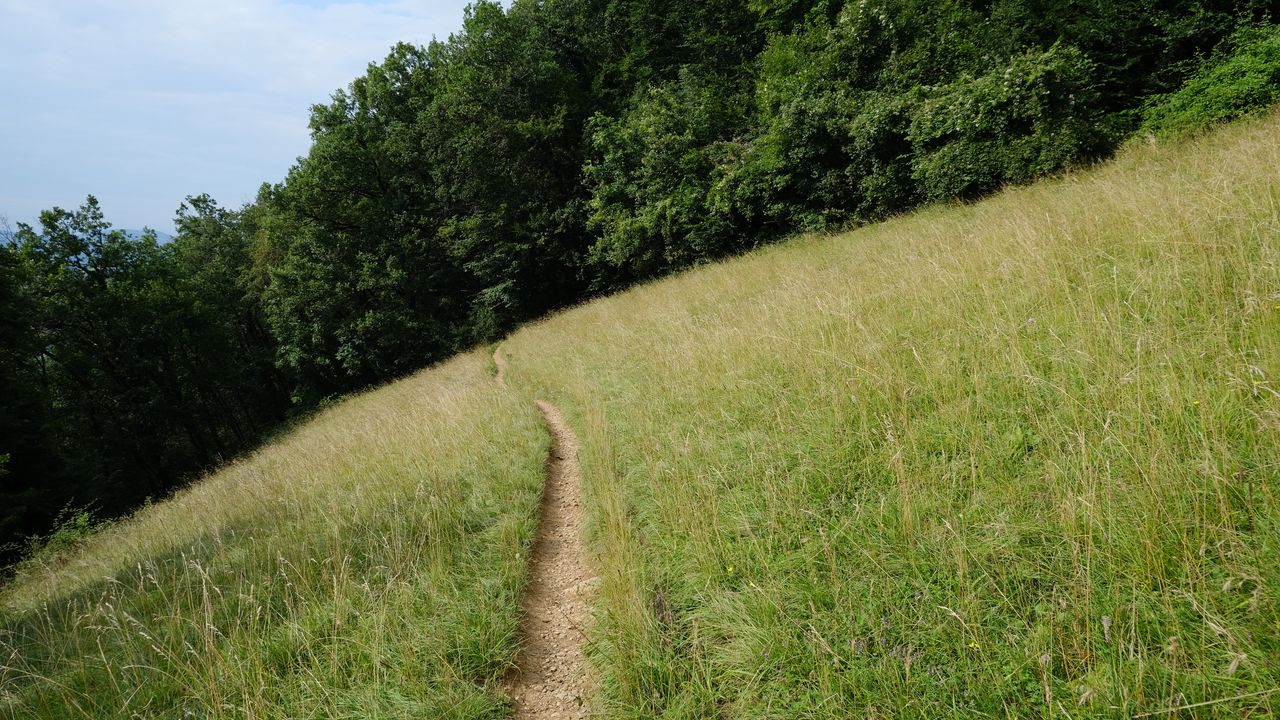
(1243, 81)
(547, 152)
(127, 364)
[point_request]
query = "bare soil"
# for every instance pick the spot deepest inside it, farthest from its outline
(552, 679)
(500, 376)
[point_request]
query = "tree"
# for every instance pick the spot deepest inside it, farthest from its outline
(134, 365)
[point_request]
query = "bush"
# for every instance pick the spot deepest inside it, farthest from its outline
(71, 528)
(1245, 80)
(1032, 117)
(661, 179)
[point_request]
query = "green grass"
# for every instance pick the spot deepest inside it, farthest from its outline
(1012, 459)
(367, 565)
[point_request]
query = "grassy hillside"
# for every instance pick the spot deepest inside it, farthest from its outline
(366, 565)
(1012, 459)
(1009, 459)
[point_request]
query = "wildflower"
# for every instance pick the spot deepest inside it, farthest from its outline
(1195, 402)
(973, 645)
(728, 569)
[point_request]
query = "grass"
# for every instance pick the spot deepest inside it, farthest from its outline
(1011, 459)
(367, 565)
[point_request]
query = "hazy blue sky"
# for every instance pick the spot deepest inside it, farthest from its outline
(143, 102)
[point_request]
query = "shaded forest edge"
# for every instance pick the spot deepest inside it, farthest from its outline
(545, 154)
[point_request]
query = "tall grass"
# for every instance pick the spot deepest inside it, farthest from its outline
(1010, 459)
(367, 565)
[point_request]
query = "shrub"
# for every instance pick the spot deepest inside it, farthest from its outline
(1031, 117)
(1243, 81)
(652, 173)
(72, 527)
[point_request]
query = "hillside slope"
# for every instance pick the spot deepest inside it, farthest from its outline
(1013, 459)
(368, 564)
(1008, 459)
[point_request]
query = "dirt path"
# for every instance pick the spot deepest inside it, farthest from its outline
(551, 680)
(500, 376)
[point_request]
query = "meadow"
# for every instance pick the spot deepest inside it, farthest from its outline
(368, 564)
(1015, 458)
(1010, 459)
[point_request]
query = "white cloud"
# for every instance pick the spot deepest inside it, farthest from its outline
(142, 102)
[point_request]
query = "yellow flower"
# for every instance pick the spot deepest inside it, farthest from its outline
(728, 569)
(973, 645)
(1195, 402)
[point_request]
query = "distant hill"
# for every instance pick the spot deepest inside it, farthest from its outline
(134, 233)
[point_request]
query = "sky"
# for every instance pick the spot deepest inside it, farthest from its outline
(144, 102)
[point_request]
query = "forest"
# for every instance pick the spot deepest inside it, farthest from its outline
(550, 152)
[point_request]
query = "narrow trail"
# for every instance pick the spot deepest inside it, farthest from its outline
(500, 376)
(551, 679)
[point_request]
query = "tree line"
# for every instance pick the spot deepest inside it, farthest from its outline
(546, 153)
